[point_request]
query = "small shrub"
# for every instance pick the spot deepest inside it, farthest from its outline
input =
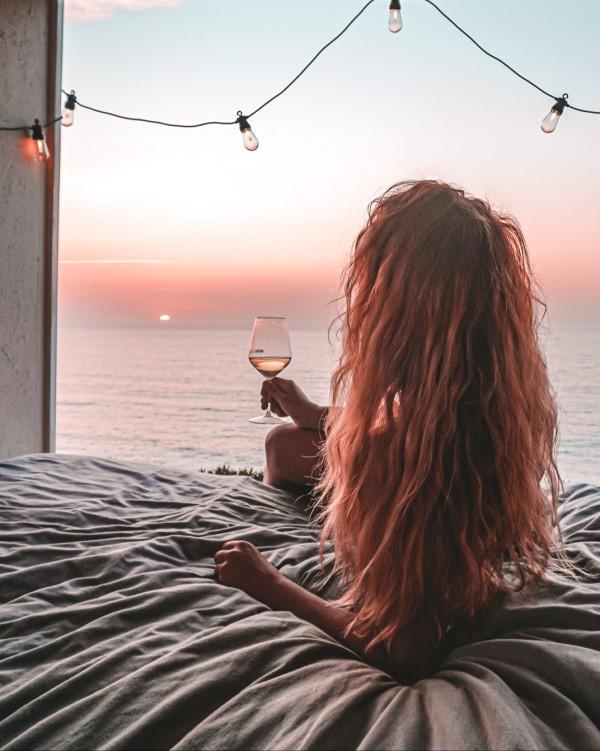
(227, 469)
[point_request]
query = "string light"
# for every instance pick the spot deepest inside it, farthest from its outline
(250, 140)
(395, 17)
(550, 122)
(41, 151)
(68, 112)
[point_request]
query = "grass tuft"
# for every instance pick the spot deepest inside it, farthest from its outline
(227, 469)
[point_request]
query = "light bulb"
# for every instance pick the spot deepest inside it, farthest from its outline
(395, 17)
(550, 122)
(250, 140)
(68, 112)
(68, 116)
(41, 153)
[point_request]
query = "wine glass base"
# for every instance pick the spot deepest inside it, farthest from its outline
(267, 420)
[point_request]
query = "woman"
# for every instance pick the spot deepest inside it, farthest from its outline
(443, 424)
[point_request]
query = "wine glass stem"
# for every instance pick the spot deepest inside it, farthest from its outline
(268, 413)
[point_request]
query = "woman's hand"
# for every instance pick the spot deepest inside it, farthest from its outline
(239, 564)
(413, 653)
(288, 400)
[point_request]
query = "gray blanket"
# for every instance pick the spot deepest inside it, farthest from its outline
(115, 635)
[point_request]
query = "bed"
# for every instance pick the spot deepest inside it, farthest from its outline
(114, 633)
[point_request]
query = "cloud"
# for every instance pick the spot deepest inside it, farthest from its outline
(110, 261)
(100, 10)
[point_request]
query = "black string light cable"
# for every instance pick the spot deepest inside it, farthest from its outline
(395, 24)
(36, 133)
(312, 60)
(148, 120)
(30, 127)
(560, 101)
(250, 140)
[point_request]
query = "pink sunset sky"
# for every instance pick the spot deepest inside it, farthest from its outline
(187, 222)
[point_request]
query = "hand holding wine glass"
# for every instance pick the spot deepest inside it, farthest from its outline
(286, 399)
(270, 352)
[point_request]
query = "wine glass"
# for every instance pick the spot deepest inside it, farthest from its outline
(270, 352)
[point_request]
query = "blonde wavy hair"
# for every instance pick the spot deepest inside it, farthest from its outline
(443, 422)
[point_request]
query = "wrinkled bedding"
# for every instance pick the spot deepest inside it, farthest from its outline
(114, 633)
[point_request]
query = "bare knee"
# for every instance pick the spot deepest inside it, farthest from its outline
(292, 455)
(278, 445)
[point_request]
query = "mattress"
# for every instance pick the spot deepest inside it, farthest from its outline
(114, 633)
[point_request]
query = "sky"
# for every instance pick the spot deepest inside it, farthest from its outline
(188, 223)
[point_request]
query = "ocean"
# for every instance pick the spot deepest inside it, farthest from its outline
(182, 398)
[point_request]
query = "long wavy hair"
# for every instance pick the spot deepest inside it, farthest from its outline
(443, 424)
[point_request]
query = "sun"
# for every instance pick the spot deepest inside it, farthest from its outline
(164, 317)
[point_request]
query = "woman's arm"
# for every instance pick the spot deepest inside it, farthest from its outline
(413, 652)
(287, 399)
